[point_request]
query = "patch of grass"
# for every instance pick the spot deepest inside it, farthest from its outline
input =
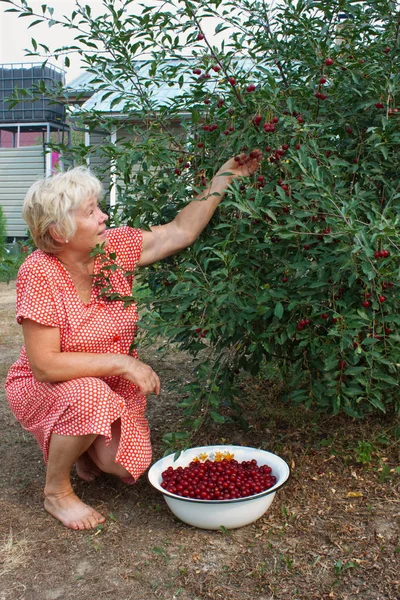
(12, 554)
(161, 552)
(364, 452)
(340, 567)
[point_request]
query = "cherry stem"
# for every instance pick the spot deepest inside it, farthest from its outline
(215, 57)
(278, 63)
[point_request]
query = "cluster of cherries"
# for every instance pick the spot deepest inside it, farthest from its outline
(382, 254)
(218, 480)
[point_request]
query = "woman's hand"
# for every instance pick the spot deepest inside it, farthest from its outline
(242, 165)
(141, 375)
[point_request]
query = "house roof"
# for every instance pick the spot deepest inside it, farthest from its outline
(171, 79)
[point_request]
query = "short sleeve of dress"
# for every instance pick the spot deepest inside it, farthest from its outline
(127, 243)
(35, 298)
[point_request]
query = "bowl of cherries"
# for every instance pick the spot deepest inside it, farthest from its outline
(214, 487)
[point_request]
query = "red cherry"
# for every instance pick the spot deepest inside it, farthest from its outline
(200, 37)
(306, 246)
(387, 49)
(250, 88)
(232, 81)
(220, 102)
(329, 62)
(379, 105)
(324, 316)
(381, 299)
(200, 145)
(322, 80)
(178, 171)
(284, 279)
(366, 304)
(196, 71)
(216, 68)
(300, 119)
(257, 120)
(342, 364)
(298, 146)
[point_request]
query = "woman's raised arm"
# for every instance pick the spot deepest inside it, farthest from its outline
(163, 240)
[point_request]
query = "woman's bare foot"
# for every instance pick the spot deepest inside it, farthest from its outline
(129, 480)
(86, 469)
(71, 511)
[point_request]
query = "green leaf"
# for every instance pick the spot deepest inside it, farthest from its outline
(217, 417)
(278, 311)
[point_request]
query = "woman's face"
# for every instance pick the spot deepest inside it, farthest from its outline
(90, 226)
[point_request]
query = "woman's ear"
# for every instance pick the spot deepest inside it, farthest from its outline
(55, 235)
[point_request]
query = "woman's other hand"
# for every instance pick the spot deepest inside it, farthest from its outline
(141, 375)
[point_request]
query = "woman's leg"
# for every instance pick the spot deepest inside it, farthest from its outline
(86, 469)
(104, 456)
(60, 499)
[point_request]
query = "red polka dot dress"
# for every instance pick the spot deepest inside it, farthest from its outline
(88, 405)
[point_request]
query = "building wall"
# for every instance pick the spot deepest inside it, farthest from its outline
(26, 138)
(19, 168)
(98, 163)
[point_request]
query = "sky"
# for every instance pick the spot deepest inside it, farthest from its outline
(15, 35)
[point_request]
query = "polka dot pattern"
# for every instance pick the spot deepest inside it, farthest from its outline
(47, 295)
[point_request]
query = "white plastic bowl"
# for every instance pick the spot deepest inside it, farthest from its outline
(216, 514)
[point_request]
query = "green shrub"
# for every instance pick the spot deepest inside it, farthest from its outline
(298, 271)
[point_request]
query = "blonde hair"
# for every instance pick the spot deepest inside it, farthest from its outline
(51, 203)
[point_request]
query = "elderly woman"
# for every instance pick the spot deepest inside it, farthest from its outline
(77, 386)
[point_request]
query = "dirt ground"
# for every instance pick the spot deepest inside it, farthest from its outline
(332, 532)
